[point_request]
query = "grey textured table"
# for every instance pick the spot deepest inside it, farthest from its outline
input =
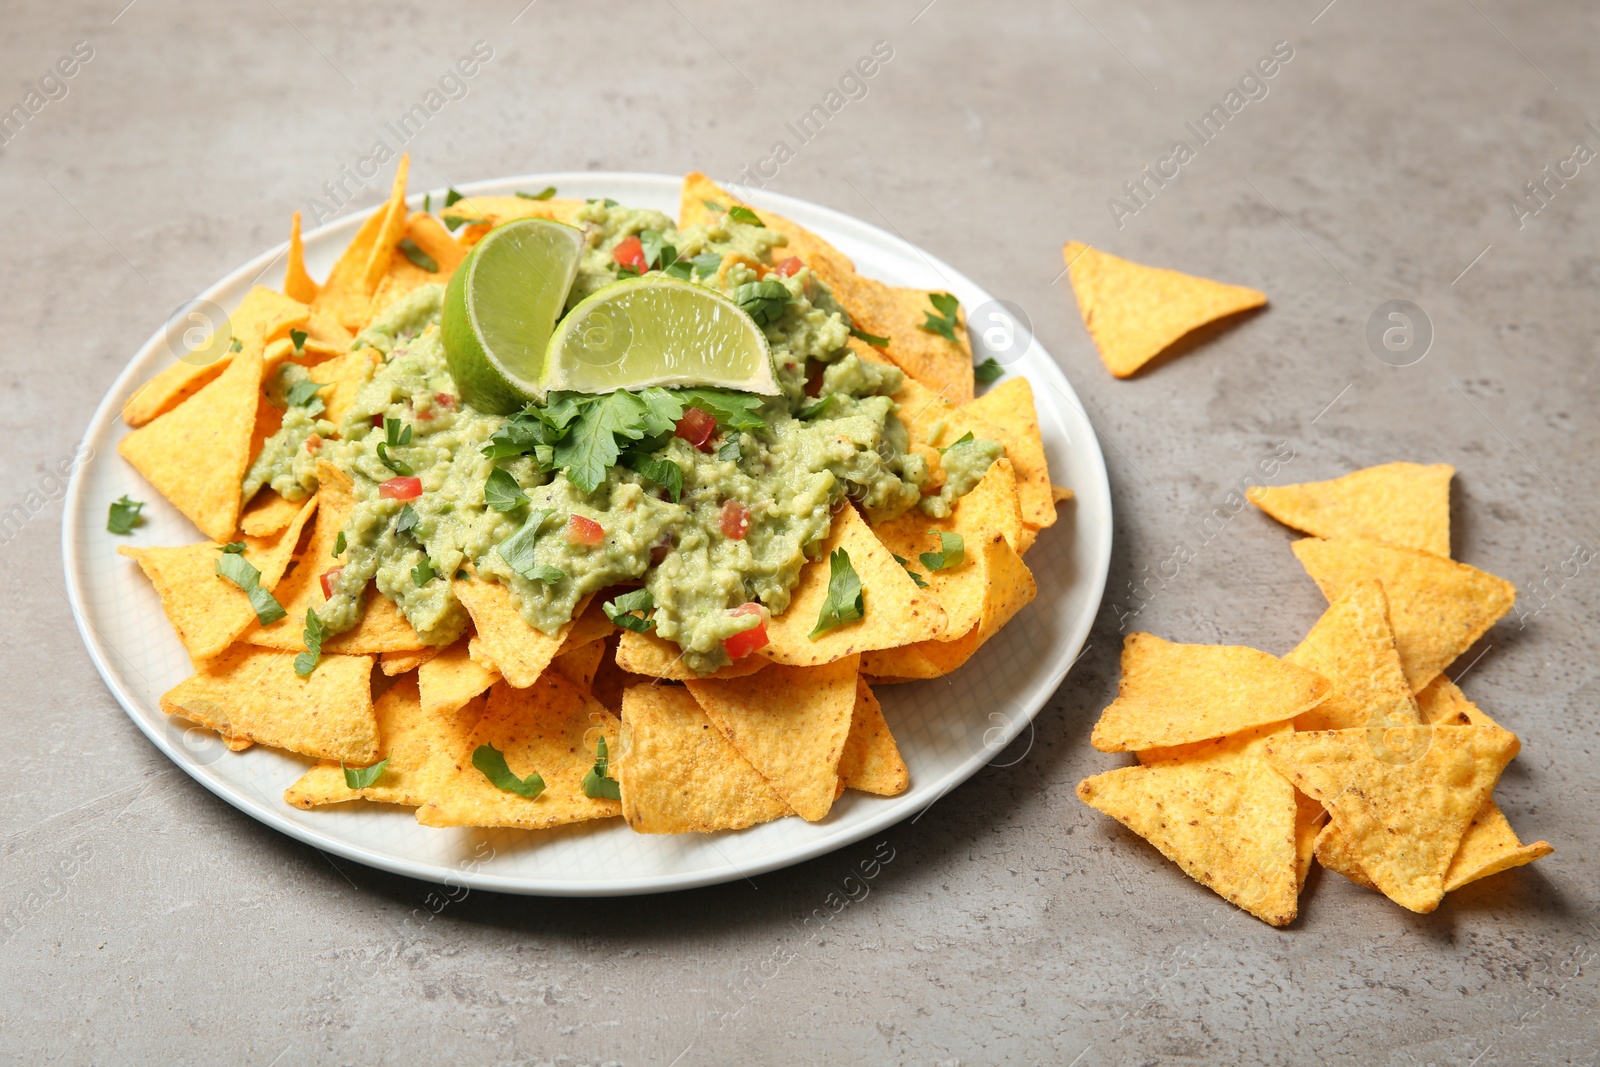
(147, 921)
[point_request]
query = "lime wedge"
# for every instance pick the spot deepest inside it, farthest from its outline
(501, 307)
(658, 331)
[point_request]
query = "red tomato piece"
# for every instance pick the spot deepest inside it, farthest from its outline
(789, 267)
(697, 427)
(313, 442)
(735, 519)
(741, 645)
(400, 489)
(328, 580)
(444, 400)
(584, 531)
(630, 253)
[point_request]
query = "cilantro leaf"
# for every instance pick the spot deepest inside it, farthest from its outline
(952, 550)
(362, 777)
(665, 473)
(817, 407)
(406, 520)
(302, 393)
(965, 438)
(124, 515)
(298, 339)
(234, 546)
(733, 410)
(238, 570)
(306, 662)
(678, 268)
(423, 573)
(730, 450)
(763, 301)
(517, 550)
(662, 410)
(338, 544)
(906, 563)
(657, 252)
(597, 784)
(413, 251)
(427, 203)
(944, 323)
(621, 611)
(871, 338)
(502, 492)
(988, 371)
(455, 222)
(591, 444)
(740, 213)
(451, 196)
(492, 762)
(844, 602)
(543, 194)
(397, 434)
(712, 204)
(236, 346)
(608, 202)
(707, 264)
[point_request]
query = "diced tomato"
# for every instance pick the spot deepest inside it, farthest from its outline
(329, 579)
(313, 442)
(735, 520)
(697, 427)
(630, 253)
(789, 267)
(377, 420)
(584, 531)
(741, 645)
(444, 400)
(400, 489)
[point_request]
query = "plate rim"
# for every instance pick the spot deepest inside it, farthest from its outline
(830, 839)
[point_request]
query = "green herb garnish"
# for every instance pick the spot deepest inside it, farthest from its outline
(989, 371)
(306, 662)
(517, 550)
(817, 407)
(621, 611)
(302, 393)
(952, 550)
(844, 602)
(665, 473)
(763, 301)
(740, 213)
(945, 323)
(298, 339)
(871, 338)
(338, 544)
(543, 194)
(451, 196)
(502, 492)
(234, 546)
(658, 254)
(906, 563)
(492, 762)
(238, 570)
(236, 346)
(730, 450)
(362, 777)
(455, 222)
(423, 573)
(406, 520)
(413, 251)
(124, 515)
(965, 438)
(397, 434)
(596, 784)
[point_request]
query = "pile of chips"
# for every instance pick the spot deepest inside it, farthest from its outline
(514, 727)
(1354, 748)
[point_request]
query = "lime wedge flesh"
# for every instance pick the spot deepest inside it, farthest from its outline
(658, 331)
(501, 307)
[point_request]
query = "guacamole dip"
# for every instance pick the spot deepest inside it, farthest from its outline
(710, 498)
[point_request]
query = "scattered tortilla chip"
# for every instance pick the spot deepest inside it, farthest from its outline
(1135, 312)
(268, 513)
(1352, 646)
(679, 774)
(382, 627)
(1060, 494)
(895, 610)
(552, 728)
(1227, 753)
(1008, 588)
(397, 663)
(580, 664)
(1444, 704)
(1309, 819)
(262, 316)
(1234, 833)
(208, 611)
(1009, 408)
(254, 693)
(1404, 504)
(1333, 852)
(790, 723)
(1437, 607)
(452, 678)
(871, 761)
(520, 651)
(1489, 847)
(408, 737)
(196, 454)
(296, 282)
(1400, 821)
(1172, 694)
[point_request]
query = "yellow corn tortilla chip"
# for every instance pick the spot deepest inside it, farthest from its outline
(1172, 694)
(610, 681)
(790, 723)
(1060, 494)
(552, 728)
(1134, 312)
(1009, 408)
(1402, 798)
(494, 210)
(519, 651)
(452, 678)
(397, 663)
(344, 302)
(588, 625)
(1444, 704)
(196, 454)
(1231, 831)
(382, 627)
(1437, 607)
(268, 513)
(679, 774)
(296, 282)
(871, 761)
(1008, 588)
(408, 737)
(403, 277)
(1228, 752)
(1404, 504)
(344, 375)
(253, 693)
(210, 612)
(1334, 853)
(388, 237)
(579, 664)
(1490, 846)
(1309, 819)
(895, 611)
(262, 316)
(1352, 646)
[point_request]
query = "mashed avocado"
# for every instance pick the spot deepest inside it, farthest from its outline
(809, 449)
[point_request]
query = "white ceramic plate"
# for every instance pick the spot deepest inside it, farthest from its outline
(946, 729)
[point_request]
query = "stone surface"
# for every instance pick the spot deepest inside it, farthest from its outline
(146, 921)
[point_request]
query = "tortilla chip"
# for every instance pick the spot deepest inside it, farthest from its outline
(408, 737)
(452, 678)
(1489, 847)
(1233, 832)
(1400, 821)
(871, 761)
(580, 664)
(1135, 312)
(588, 625)
(345, 375)
(700, 192)
(404, 276)
(262, 316)
(1309, 819)
(520, 651)
(382, 627)
(1437, 607)
(1226, 753)
(678, 773)
(790, 723)
(1008, 587)
(552, 728)
(1060, 494)
(895, 610)
(196, 454)
(210, 612)
(1333, 852)
(1010, 409)
(388, 237)
(1173, 694)
(397, 663)
(1444, 704)
(268, 514)
(494, 210)
(1404, 504)
(296, 282)
(253, 693)
(610, 680)
(344, 302)
(1352, 646)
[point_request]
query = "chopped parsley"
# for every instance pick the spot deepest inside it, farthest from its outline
(306, 662)
(455, 222)
(906, 563)
(338, 544)
(502, 492)
(362, 777)
(397, 435)
(234, 546)
(517, 550)
(844, 602)
(492, 762)
(658, 254)
(964, 439)
(451, 196)
(740, 213)
(952, 550)
(665, 473)
(944, 323)
(763, 301)
(413, 251)
(238, 570)
(621, 611)
(702, 266)
(406, 520)
(543, 194)
(989, 371)
(597, 784)
(236, 346)
(298, 339)
(423, 573)
(871, 338)
(124, 515)
(303, 393)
